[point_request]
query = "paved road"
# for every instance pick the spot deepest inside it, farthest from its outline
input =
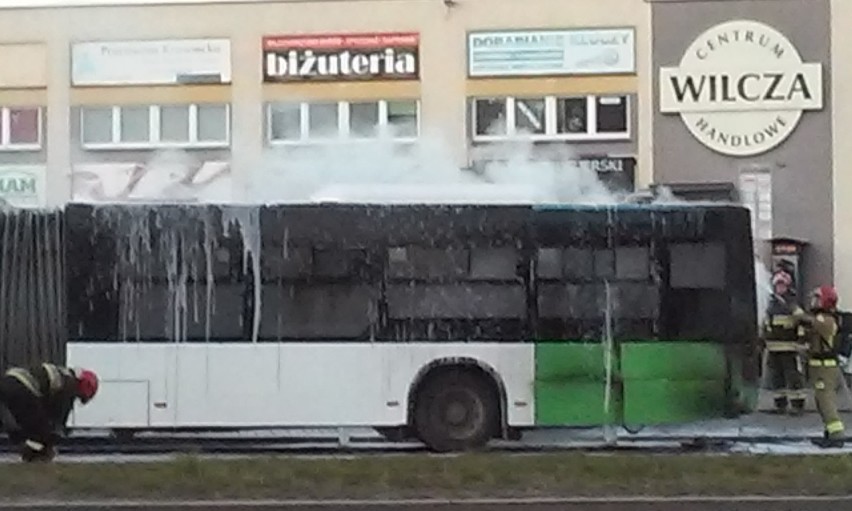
(697, 504)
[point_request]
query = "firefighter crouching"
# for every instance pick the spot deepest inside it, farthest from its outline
(785, 347)
(821, 329)
(40, 399)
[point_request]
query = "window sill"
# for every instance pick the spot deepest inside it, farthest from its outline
(596, 137)
(339, 141)
(143, 146)
(20, 148)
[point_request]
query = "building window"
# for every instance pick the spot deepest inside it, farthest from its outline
(300, 123)
(20, 129)
(200, 126)
(551, 118)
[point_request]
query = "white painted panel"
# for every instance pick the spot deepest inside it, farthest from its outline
(292, 384)
(119, 404)
(153, 363)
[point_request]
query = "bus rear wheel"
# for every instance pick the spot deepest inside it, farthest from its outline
(456, 410)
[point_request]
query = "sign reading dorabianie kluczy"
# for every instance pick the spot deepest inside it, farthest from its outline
(341, 57)
(741, 88)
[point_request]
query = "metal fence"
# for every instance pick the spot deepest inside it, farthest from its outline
(32, 284)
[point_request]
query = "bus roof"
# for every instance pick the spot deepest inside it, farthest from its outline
(454, 193)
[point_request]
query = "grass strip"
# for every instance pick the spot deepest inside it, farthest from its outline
(423, 476)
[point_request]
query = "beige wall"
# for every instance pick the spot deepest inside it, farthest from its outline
(442, 87)
(841, 63)
(23, 65)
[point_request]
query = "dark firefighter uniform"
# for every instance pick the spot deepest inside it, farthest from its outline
(40, 400)
(821, 334)
(785, 349)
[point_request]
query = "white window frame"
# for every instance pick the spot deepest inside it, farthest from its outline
(6, 133)
(343, 134)
(550, 118)
(154, 141)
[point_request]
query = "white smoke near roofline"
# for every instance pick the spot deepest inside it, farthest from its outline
(381, 169)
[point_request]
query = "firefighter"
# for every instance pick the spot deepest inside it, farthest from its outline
(39, 399)
(785, 346)
(821, 329)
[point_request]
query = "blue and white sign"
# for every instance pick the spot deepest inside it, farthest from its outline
(552, 52)
(151, 62)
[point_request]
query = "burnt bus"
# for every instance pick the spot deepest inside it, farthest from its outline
(452, 324)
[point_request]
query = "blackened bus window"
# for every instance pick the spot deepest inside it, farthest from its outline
(697, 265)
(428, 263)
(578, 264)
(632, 263)
(605, 263)
(336, 262)
(494, 263)
(549, 263)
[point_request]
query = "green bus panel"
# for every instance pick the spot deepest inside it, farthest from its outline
(668, 382)
(570, 385)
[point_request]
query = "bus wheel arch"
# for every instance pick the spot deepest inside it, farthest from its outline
(477, 382)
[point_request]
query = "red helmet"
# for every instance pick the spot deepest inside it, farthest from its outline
(825, 297)
(87, 385)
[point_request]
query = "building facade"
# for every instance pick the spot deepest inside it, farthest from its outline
(733, 95)
(743, 96)
(103, 94)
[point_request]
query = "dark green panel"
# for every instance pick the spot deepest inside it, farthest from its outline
(649, 402)
(661, 360)
(570, 385)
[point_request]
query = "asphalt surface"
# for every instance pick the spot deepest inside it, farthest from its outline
(645, 504)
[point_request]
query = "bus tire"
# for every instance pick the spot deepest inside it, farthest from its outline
(456, 410)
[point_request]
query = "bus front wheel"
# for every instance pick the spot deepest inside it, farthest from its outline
(456, 410)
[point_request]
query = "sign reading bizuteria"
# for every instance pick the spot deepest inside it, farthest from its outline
(341, 57)
(741, 88)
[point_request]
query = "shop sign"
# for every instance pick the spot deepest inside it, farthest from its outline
(341, 57)
(617, 173)
(551, 52)
(163, 62)
(741, 88)
(22, 186)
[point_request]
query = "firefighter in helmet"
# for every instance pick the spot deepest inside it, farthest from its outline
(821, 329)
(785, 346)
(39, 399)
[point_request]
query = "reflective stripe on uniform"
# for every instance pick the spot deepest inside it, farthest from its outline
(54, 377)
(784, 346)
(37, 446)
(834, 427)
(783, 321)
(25, 378)
(822, 363)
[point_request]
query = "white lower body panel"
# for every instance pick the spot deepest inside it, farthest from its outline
(147, 385)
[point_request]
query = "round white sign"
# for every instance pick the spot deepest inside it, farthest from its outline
(741, 88)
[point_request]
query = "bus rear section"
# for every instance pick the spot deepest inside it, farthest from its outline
(451, 324)
(645, 315)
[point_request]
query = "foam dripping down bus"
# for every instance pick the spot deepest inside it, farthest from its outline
(450, 323)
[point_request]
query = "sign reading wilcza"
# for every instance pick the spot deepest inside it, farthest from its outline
(741, 88)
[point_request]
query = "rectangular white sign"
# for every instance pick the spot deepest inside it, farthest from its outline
(737, 90)
(162, 62)
(23, 185)
(552, 52)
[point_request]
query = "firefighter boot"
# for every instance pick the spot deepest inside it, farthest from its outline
(37, 452)
(797, 406)
(828, 443)
(781, 404)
